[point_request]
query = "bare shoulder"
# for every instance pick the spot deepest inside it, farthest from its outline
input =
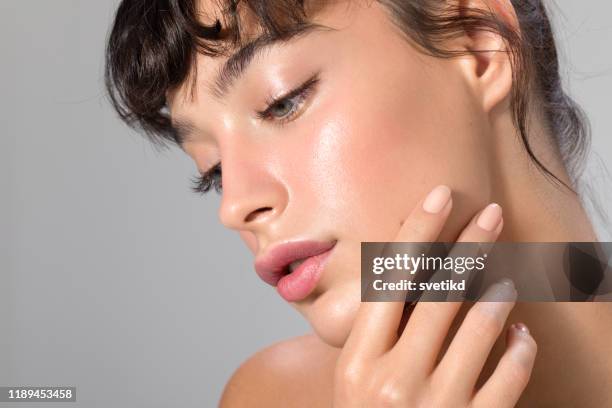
(297, 372)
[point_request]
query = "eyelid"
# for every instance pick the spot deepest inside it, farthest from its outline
(209, 173)
(203, 182)
(306, 85)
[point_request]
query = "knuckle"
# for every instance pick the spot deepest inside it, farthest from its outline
(390, 394)
(349, 374)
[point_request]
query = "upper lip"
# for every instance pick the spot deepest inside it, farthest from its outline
(271, 265)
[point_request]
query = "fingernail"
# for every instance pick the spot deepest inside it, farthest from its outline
(520, 327)
(437, 199)
(506, 281)
(499, 292)
(490, 217)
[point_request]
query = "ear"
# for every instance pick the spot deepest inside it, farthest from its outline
(487, 66)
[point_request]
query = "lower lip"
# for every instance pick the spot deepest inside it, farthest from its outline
(301, 282)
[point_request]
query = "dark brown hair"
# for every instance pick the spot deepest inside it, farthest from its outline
(153, 44)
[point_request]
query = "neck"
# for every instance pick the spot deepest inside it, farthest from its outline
(537, 208)
(574, 362)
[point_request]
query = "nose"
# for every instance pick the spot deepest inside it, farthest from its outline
(253, 195)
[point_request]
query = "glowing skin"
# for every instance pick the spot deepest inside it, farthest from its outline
(383, 126)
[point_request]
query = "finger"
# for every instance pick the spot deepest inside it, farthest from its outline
(374, 330)
(470, 348)
(429, 323)
(487, 222)
(484, 228)
(511, 375)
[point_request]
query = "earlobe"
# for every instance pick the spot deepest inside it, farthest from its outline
(487, 65)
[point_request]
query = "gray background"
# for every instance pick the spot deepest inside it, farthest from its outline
(114, 277)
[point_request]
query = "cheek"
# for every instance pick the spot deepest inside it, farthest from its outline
(373, 161)
(375, 155)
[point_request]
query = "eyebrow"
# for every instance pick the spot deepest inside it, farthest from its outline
(236, 65)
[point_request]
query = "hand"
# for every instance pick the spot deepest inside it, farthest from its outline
(380, 368)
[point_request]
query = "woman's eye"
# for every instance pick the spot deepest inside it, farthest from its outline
(283, 109)
(280, 110)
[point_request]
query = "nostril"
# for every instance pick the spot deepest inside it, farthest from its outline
(256, 213)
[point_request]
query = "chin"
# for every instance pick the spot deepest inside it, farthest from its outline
(332, 314)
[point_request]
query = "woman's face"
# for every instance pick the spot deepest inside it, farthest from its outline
(381, 127)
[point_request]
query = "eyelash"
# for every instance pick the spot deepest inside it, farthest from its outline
(300, 93)
(201, 184)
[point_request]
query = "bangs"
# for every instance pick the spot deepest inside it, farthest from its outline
(153, 46)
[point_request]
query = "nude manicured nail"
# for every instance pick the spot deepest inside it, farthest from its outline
(490, 217)
(520, 327)
(499, 292)
(437, 199)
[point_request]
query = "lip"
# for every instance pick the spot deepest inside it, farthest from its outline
(272, 266)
